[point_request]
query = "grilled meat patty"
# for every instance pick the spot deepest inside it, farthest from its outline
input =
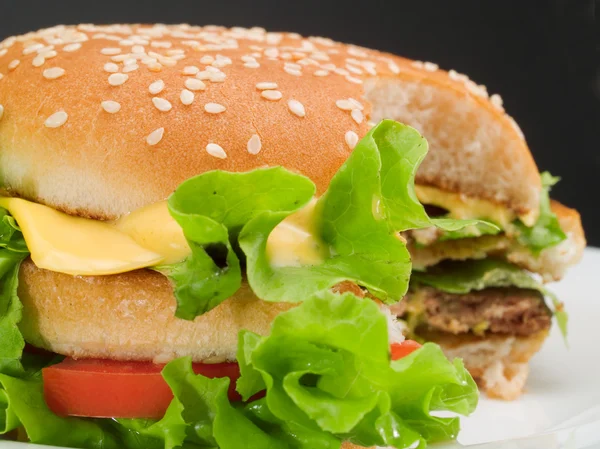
(512, 311)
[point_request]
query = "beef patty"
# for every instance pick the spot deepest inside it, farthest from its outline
(512, 311)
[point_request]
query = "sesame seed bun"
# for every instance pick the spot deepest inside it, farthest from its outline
(131, 316)
(99, 121)
(498, 363)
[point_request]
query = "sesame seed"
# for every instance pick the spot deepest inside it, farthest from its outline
(119, 58)
(56, 120)
(117, 79)
(417, 64)
(354, 70)
(252, 65)
(217, 77)
(194, 84)
(430, 66)
(187, 97)
(45, 49)
(155, 67)
(53, 73)
(212, 69)
(3, 51)
(161, 104)
(207, 59)
(357, 104)
(254, 144)
(272, 95)
(111, 67)
(291, 71)
(48, 54)
(220, 63)
(357, 115)
(351, 139)
(72, 47)
(2, 112)
(13, 64)
(156, 87)
(32, 48)
(370, 70)
(214, 108)
(341, 71)
(271, 52)
(112, 107)
(297, 108)
(344, 105)
(216, 150)
(497, 101)
(394, 68)
(138, 49)
(190, 70)
(266, 85)
(203, 75)
(110, 51)
(321, 73)
(130, 68)
(38, 61)
(354, 80)
(155, 136)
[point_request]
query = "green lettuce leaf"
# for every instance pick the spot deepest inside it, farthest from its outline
(12, 252)
(546, 232)
(339, 379)
(477, 230)
(212, 209)
(228, 217)
(465, 276)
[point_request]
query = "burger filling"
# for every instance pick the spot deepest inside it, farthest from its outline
(327, 371)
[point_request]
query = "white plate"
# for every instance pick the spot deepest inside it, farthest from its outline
(561, 407)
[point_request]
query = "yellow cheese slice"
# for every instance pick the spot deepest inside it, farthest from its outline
(293, 242)
(75, 245)
(153, 228)
(465, 208)
(147, 237)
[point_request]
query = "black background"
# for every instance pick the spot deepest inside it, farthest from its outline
(541, 56)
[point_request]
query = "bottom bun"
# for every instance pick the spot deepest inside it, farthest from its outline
(498, 363)
(131, 316)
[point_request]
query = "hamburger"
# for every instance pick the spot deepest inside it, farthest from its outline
(207, 234)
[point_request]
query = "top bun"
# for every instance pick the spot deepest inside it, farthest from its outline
(100, 120)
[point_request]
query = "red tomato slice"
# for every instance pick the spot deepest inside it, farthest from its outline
(400, 350)
(113, 389)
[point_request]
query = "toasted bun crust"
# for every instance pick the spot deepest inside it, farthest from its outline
(99, 164)
(131, 316)
(499, 363)
(552, 263)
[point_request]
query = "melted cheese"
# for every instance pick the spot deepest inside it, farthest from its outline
(463, 207)
(74, 245)
(293, 242)
(153, 228)
(147, 237)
